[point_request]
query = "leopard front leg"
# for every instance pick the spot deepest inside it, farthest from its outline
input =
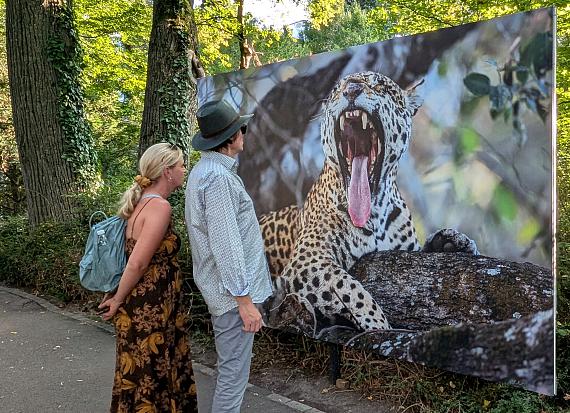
(450, 240)
(279, 230)
(330, 290)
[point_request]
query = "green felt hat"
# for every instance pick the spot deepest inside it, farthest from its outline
(218, 121)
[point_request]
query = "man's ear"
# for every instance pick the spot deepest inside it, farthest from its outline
(413, 98)
(234, 137)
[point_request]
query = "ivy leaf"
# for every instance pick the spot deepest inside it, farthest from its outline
(477, 83)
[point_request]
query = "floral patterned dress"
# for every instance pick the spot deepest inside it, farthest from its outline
(153, 370)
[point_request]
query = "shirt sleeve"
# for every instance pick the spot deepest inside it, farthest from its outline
(221, 203)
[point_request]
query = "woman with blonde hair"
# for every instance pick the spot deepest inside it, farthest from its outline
(153, 369)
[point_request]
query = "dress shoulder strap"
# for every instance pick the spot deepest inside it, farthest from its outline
(147, 196)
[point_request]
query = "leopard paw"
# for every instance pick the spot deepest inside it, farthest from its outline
(450, 240)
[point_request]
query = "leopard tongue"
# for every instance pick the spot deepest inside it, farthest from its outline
(359, 192)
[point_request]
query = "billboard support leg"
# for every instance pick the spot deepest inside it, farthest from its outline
(334, 362)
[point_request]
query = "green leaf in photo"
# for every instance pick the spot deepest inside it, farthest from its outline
(504, 203)
(528, 232)
(469, 142)
(478, 84)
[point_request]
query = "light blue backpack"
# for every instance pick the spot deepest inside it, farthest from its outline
(105, 258)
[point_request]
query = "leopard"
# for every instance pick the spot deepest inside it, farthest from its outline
(354, 207)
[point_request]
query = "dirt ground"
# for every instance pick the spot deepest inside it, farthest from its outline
(291, 381)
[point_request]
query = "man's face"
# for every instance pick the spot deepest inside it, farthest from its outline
(237, 145)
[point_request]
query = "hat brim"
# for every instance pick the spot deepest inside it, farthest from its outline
(200, 143)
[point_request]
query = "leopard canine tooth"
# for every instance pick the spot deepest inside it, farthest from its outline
(341, 121)
(364, 120)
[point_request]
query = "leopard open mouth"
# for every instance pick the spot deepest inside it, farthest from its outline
(360, 142)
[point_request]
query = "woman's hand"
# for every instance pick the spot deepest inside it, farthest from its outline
(109, 307)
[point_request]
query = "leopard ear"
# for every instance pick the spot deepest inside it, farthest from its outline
(413, 98)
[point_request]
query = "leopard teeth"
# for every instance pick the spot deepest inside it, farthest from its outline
(342, 123)
(364, 120)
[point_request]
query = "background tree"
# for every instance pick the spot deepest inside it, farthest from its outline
(170, 99)
(223, 35)
(12, 196)
(351, 27)
(322, 12)
(114, 35)
(53, 136)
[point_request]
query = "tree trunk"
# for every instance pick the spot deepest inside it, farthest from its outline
(244, 60)
(48, 115)
(520, 351)
(173, 67)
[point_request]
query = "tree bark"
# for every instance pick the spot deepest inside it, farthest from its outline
(520, 351)
(169, 111)
(48, 178)
(243, 61)
(419, 290)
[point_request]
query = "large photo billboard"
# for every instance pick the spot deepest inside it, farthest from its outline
(404, 191)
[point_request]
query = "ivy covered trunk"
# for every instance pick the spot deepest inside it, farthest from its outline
(52, 134)
(170, 97)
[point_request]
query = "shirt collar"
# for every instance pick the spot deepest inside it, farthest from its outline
(224, 160)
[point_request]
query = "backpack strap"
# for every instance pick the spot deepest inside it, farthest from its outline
(147, 196)
(93, 215)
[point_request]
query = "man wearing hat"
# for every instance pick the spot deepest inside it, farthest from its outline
(227, 248)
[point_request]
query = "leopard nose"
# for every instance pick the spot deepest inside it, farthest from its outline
(352, 91)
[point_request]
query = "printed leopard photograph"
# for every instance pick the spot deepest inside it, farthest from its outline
(404, 191)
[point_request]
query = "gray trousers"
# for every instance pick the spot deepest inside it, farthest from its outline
(234, 347)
